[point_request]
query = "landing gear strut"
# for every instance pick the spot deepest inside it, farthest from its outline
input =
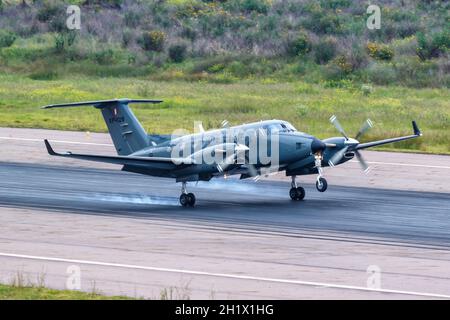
(296, 193)
(321, 183)
(186, 199)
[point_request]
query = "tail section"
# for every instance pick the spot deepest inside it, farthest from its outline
(126, 132)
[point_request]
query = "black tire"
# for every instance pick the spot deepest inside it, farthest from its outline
(300, 193)
(293, 193)
(184, 200)
(191, 199)
(324, 186)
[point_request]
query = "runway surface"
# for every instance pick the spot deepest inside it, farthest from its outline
(243, 239)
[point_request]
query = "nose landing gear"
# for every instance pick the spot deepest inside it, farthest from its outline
(321, 182)
(186, 199)
(296, 193)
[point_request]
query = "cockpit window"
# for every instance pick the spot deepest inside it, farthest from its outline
(280, 127)
(290, 127)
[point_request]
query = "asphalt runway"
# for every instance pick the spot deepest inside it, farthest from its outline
(127, 234)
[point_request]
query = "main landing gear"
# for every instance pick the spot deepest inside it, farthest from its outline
(186, 199)
(296, 193)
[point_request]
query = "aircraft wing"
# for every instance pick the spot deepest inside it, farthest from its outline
(160, 162)
(416, 134)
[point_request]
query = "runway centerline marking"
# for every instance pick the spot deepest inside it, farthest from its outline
(403, 164)
(57, 141)
(225, 275)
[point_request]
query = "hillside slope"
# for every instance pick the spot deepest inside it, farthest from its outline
(223, 41)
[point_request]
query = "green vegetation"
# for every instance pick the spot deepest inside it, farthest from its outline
(307, 106)
(228, 40)
(41, 293)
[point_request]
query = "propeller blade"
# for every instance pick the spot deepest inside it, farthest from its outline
(366, 126)
(337, 157)
(226, 162)
(253, 172)
(363, 163)
(335, 122)
(225, 124)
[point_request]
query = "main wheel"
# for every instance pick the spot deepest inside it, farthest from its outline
(321, 184)
(300, 193)
(184, 200)
(293, 193)
(191, 199)
(297, 193)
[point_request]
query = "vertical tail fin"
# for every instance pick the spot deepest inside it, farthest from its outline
(126, 132)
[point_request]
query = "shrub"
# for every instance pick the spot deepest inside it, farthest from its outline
(260, 6)
(104, 57)
(323, 22)
(58, 23)
(343, 63)
(105, 3)
(325, 50)
(189, 32)
(127, 37)
(433, 47)
(47, 12)
(379, 52)
(6, 38)
(177, 52)
(357, 56)
(153, 40)
(299, 46)
(64, 40)
(132, 19)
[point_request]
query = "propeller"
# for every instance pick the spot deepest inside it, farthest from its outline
(366, 126)
(334, 160)
(362, 162)
(350, 144)
(335, 122)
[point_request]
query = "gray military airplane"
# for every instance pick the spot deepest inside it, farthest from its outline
(249, 150)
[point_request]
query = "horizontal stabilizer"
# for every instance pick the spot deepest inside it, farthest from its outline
(124, 160)
(101, 103)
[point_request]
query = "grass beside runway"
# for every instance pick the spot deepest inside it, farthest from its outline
(307, 106)
(40, 293)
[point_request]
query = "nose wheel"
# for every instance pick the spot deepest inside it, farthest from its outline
(186, 199)
(321, 184)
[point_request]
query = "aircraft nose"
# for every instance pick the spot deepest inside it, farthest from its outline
(317, 145)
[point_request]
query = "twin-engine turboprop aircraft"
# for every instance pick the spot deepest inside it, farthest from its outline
(249, 150)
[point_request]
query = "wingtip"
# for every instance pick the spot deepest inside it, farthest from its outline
(416, 129)
(49, 148)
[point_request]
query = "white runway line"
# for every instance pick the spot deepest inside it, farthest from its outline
(224, 275)
(403, 164)
(57, 141)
